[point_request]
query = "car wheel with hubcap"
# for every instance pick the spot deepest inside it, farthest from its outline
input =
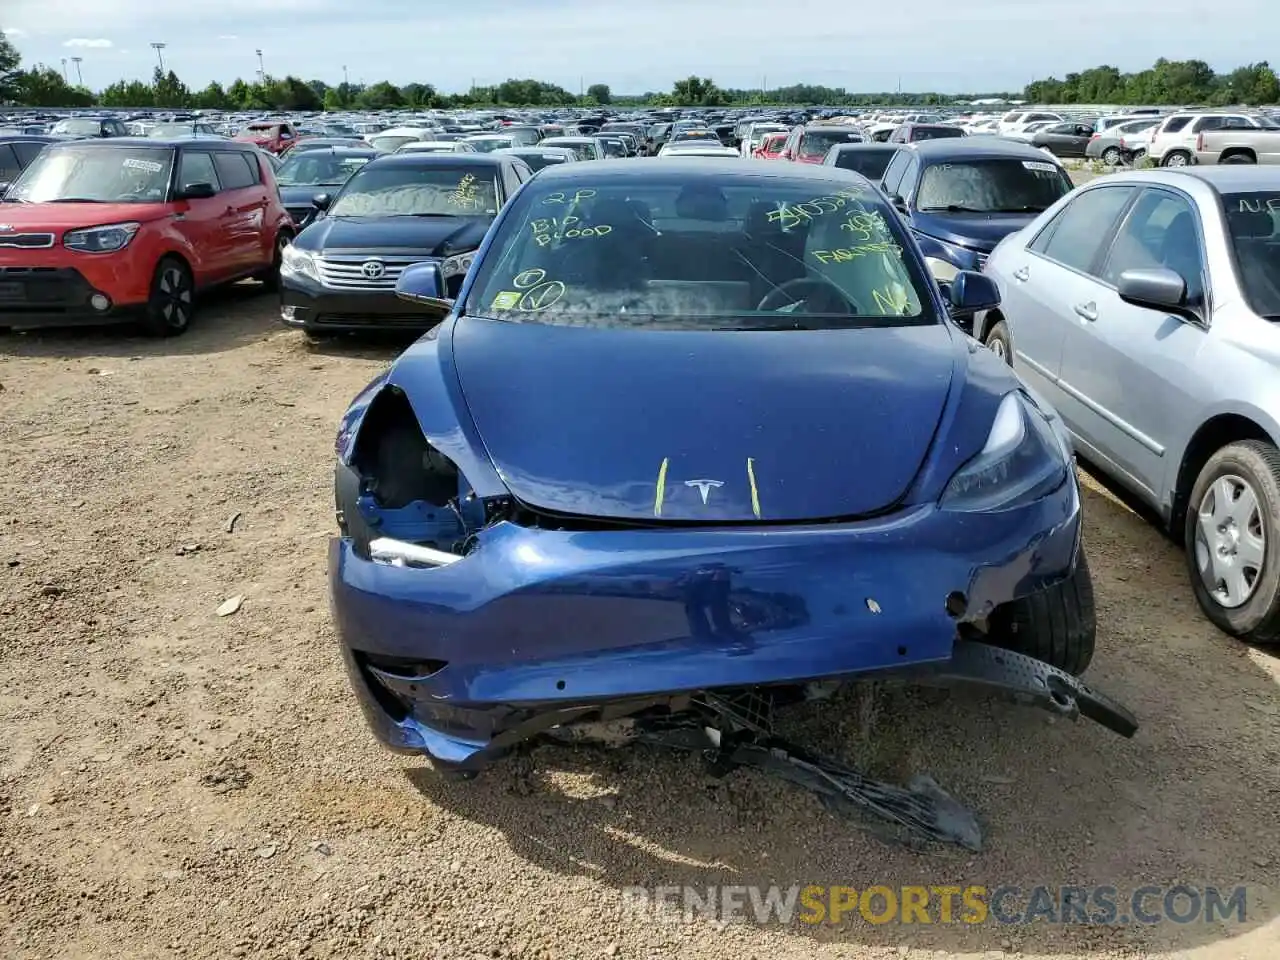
(997, 341)
(1111, 156)
(1232, 542)
(1177, 158)
(172, 299)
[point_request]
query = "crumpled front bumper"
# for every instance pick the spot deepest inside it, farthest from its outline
(533, 622)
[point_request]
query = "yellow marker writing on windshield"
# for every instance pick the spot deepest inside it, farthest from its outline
(661, 492)
(755, 493)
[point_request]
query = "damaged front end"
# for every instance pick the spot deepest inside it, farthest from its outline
(471, 623)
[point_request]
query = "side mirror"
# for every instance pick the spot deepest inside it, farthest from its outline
(899, 203)
(1158, 288)
(198, 191)
(322, 201)
(4, 187)
(971, 292)
(423, 283)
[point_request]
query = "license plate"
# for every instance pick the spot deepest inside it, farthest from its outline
(11, 290)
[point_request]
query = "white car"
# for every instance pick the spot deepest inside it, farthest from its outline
(1016, 121)
(690, 148)
(436, 146)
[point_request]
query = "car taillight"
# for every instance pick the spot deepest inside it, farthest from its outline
(1200, 142)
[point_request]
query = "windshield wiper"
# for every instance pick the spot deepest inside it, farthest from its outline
(950, 208)
(1026, 208)
(75, 200)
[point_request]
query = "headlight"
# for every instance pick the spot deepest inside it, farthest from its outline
(1022, 460)
(298, 263)
(105, 239)
(457, 266)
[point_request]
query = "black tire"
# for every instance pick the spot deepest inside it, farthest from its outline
(1238, 158)
(1058, 625)
(1257, 463)
(172, 300)
(1176, 158)
(270, 279)
(997, 340)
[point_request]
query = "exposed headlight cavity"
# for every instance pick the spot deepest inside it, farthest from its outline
(1022, 460)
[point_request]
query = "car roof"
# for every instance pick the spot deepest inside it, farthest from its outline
(438, 160)
(1224, 178)
(337, 152)
(29, 138)
(975, 148)
(730, 168)
(115, 143)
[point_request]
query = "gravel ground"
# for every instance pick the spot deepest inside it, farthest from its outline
(178, 784)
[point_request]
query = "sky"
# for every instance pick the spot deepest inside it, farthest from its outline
(638, 45)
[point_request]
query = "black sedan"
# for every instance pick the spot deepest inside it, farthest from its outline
(306, 174)
(341, 271)
(16, 154)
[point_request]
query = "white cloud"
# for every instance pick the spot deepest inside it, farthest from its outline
(89, 44)
(14, 32)
(228, 36)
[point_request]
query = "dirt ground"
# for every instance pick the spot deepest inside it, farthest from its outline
(178, 784)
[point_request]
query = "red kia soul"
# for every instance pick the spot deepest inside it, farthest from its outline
(123, 229)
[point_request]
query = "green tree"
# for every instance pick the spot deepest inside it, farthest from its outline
(292, 94)
(382, 95)
(420, 95)
(43, 86)
(131, 93)
(10, 62)
(169, 90)
(212, 97)
(697, 92)
(600, 93)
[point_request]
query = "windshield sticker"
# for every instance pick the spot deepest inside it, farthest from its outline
(552, 199)
(506, 300)
(464, 194)
(150, 166)
(853, 253)
(570, 228)
(792, 215)
(1269, 205)
(1040, 165)
(542, 297)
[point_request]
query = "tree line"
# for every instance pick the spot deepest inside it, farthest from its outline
(1167, 82)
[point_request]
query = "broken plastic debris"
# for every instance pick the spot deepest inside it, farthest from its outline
(230, 605)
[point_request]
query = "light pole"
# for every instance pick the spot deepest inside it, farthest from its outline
(262, 70)
(66, 79)
(158, 48)
(79, 73)
(346, 82)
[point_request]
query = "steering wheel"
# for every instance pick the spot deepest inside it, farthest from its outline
(800, 288)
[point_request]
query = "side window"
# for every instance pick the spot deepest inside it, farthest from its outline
(1237, 123)
(909, 176)
(1174, 124)
(254, 165)
(1161, 230)
(196, 167)
(1208, 123)
(26, 152)
(1078, 232)
(233, 171)
(893, 173)
(9, 165)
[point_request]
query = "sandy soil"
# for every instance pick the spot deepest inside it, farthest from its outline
(178, 784)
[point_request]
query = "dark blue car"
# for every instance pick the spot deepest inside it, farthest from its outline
(962, 196)
(693, 432)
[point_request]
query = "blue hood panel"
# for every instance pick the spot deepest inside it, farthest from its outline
(633, 424)
(977, 231)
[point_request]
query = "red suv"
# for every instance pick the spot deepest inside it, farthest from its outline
(809, 144)
(98, 231)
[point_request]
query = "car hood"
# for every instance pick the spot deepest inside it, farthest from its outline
(60, 216)
(720, 426)
(432, 236)
(977, 231)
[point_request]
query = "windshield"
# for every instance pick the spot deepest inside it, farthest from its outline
(537, 161)
(584, 149)
(315, 168)
(1253, 220)
(391, 144)
(718, 252)
(178, 129)
(410, 191)
(816, 143)
(998, 185)
(490, 144)
(870, 163)
(935, 133)
(88, 174)
(78, 128)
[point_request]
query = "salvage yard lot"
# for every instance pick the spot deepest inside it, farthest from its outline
(175, 783)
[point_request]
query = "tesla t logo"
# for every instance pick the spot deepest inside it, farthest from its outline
(704, 487)
(373, 269)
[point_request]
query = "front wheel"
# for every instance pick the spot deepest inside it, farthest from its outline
(1177, 158)
(1111, 156)
(1057, 625)
(1232, 539)
(172, 299)
(997, 341)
